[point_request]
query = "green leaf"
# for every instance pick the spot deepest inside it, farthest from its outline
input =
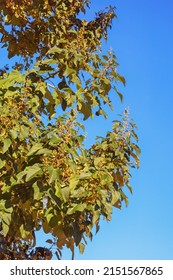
(80, 192)
(54, 197)
(65, 193)
(69, 71)
(7, 143)
(5, 229)
(37, 193)
(53, 174)
(20, 176)
(98, 162)
(49, 61)
(115, 197)
(121, 79)
(73, 182)
(24, 132)
(84, 175)
(43, 151)
(32, 171)
(96, 217)
(55, 50)
(24, 233)
(13, 77)
(2, 163)
(119, 94)
(49, 216)
(108, 208)
(136, 148)
(34, 149)
(124, 197)
(13, 134)
(76, 208)
(55, 139)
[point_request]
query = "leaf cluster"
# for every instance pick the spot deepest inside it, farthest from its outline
(48, 179)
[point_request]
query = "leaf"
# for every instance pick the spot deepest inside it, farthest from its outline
(86, 110)
(49, 216)
(33, 171)
(53, 221)
(64, 104)
(13, 77)
(69, 71)
(105, 57)
(7, 144)
(49, 241)
(49, 96)
(134, 135)
(34, 149)
(53, 174)
(49, 61)
(124, 197)
(81, 248)
(55, 50)
(5, 229)
(73, 182)
(80, 192)
(24, 233)
(77, 208)
(118, 204)
(46, 227)
(136, 148)
(98, 161)
(37, 193)
(24, 132)
(20, 176)
(96, 217)
(119, 94)
(55, 139)
(55, 198)
(118, 178)
(108, 211)
(121, 79)
(97, 227)
(43, 151)
(65, 193)
(84, 175)
(2, 163)
(115, 197)
(13, 134)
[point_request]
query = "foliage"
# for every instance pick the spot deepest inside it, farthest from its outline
(48, 179)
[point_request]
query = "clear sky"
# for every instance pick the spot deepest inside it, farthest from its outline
(142, 39)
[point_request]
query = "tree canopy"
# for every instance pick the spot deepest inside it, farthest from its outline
(48, 179)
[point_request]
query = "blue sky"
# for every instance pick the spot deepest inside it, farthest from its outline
(142, 39)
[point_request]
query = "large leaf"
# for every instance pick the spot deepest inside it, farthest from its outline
(32, 171)
(34, 149)
(53, 174)
(76, 208)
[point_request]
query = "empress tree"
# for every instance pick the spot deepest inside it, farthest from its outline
(48, 179)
